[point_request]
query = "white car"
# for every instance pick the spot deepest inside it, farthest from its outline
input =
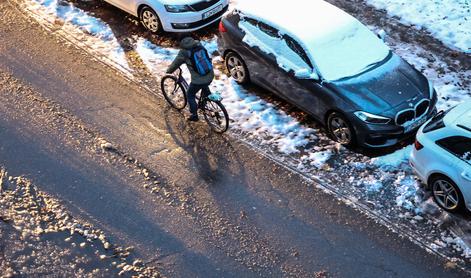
(442, 157)
(174, 15)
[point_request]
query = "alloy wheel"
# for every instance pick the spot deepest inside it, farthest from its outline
(340, 130)
(236, 69)
(445, 194)
(150, 20)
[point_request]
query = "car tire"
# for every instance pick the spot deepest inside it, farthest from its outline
(237, 68)
(150, 20)
(446, 194)
(340, 129)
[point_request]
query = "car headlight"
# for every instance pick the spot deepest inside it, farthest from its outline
(178, 8)
(371, 118)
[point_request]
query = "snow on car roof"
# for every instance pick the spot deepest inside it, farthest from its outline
(291, 16)
(338, 44)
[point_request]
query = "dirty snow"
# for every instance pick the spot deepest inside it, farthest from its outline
(447, 20)
(395, 159)
(97, 35)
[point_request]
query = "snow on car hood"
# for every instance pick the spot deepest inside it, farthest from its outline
(389, 85)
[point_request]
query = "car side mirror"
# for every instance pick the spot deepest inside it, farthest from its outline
(382, 35)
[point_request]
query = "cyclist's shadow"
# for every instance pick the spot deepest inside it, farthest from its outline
(213, 155)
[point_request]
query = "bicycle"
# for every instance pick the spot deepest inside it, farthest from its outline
(174, 88)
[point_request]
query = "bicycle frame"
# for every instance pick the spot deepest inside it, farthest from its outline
(182, 80)
(185, 86)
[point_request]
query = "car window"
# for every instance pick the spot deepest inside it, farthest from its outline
(298, 49)
(267, 29)
(457, 145)
(251, 21)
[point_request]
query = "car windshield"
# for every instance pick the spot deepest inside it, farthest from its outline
(348, 51)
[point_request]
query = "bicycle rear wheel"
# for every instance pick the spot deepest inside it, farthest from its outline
(173, 92)
(216, 116)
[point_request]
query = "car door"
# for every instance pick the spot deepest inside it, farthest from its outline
(462, 149)
(125, 5)
(459, 147)
(294, 79)
(257, 54)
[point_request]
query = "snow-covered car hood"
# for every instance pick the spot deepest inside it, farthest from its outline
(385, 89)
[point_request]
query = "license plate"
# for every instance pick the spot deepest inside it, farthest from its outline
(212, 12)
(414, 125)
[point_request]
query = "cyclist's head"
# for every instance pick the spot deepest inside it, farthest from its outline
(188, 43)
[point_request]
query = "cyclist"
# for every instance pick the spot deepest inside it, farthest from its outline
(196, 57)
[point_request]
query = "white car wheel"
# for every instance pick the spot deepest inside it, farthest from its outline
(150, 20)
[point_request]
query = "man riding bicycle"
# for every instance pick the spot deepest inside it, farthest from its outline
(196, 57)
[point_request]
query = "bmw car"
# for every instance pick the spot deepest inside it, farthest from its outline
(326, 62)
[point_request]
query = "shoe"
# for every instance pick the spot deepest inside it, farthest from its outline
(193, 118)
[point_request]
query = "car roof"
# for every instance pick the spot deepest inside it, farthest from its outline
(460, 116)
(306, 20)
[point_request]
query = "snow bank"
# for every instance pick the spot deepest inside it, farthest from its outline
(89, 30)
(447, 20)
(260, 119)
(395, 159)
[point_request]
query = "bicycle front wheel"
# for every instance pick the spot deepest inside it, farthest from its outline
(173, 92)
(216, 116)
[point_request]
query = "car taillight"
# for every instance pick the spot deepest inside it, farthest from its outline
(418, 145)
(222, 28)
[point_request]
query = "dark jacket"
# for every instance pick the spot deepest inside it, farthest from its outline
(183, 57)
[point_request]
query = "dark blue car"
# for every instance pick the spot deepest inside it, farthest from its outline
(330, 65)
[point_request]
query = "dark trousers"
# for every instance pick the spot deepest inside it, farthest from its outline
(193, 89)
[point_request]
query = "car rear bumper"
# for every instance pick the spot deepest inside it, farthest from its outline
(187, 22)
(415, 163)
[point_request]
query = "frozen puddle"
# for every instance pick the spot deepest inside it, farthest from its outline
(385, 186)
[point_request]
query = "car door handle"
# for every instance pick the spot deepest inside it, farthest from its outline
(466, 176)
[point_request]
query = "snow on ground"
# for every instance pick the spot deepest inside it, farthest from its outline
(386, 182)
(97, 35)
(395, 159)
(447, 20)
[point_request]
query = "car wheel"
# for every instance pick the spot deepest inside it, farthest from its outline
(340, 129)
(150, 20)
(446, 194)
(237, 68)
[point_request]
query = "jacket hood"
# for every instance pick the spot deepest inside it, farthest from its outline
(393, 85)
(188, 43)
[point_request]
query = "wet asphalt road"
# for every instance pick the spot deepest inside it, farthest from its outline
(222, 209)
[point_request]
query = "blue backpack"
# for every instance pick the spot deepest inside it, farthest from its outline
(200, 60)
